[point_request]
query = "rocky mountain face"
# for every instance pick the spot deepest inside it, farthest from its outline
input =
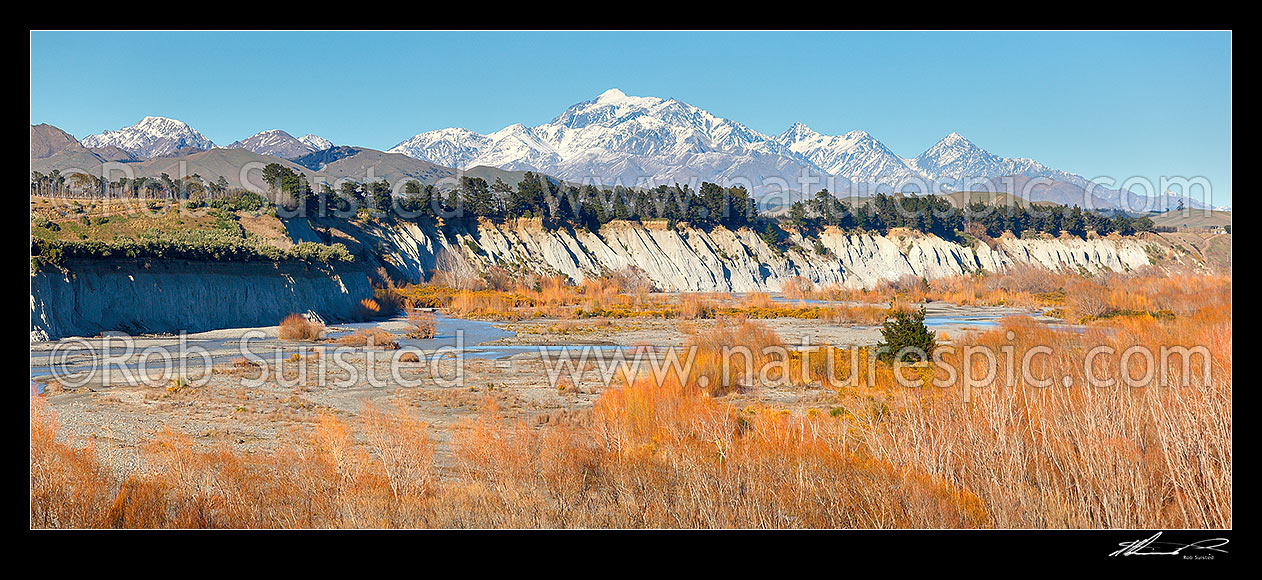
(152, 137)
(47, 140)
(276, 143)
(618, 139)
(315, 142)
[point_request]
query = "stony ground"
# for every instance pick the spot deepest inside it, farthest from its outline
(261, 405)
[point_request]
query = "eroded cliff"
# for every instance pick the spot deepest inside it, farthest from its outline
(91, 297)
(689, 259)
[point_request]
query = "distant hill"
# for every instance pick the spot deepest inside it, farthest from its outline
(316, 160)
(232, 164)
(210, 165)
(47, 140)
(1044, 189)
(1195, 218)
(112, 153)
(372, 165)
(52, 148)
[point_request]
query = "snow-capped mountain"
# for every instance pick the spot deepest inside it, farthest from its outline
(957, 163)
(152, 137)
(450, 147)
(315, 142)
(616, 138)
(274, 142)
(856, 155)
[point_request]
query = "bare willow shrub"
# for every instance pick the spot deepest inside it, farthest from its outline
(69, 486)
(369, 337)
(693, 306)
(1088, 297)
(730, 355)
(665, 455)
(797, 287)
(1027, 278)
(498, 279)
(633, 280)
(401, 443)
(454, 270)
(1083, 456)
(758, 300)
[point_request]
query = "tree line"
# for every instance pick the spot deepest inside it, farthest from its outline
(937, 215)
(556, 203)
(85, 185)
(560, 204)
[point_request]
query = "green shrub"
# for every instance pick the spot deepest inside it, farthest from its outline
(240, 201)
(906, 329)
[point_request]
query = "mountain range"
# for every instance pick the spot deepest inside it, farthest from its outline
(156, 137)
(634, 141)
(616, 138)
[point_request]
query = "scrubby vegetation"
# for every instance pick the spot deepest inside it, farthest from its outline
(421, 325)
(369, 337)
(672, 454)
(297, 327)
(184, 245)
(213, 234)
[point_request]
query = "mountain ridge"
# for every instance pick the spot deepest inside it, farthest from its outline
(631, 139)
(152, 137)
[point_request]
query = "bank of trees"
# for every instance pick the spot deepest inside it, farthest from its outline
(937, 215)
(87, 186)
(562, 205)
(587, 206)
(557, 204)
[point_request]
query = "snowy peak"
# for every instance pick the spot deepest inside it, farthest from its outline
(611, 95)
(152, 137)
(315, 142)
(452, 147)
(958, 163)
(274, 142)
(856, 155)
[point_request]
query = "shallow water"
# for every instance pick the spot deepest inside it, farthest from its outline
(477, 338)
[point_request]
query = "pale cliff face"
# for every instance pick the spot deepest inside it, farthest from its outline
(171, 297)
(726, 261)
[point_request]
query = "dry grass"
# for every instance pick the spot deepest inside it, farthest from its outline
(729, 354)
(297, 327)
(675, 455)
(369, 337)
(1158, 456)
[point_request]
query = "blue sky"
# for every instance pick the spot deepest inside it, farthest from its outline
(1115, 104)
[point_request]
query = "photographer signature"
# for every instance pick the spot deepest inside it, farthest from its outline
(1151, 547)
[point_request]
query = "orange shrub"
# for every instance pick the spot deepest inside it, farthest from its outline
(421, 325)
(374, 337)
(297, 327)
